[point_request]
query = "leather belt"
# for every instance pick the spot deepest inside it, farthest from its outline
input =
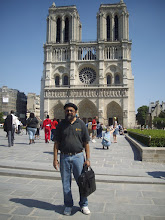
(71, 154)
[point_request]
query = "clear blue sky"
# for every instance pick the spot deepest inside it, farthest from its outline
(23, 33)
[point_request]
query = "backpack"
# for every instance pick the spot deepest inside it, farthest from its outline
(90, 125)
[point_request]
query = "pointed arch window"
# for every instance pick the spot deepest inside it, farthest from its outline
(116, 28)
(58, 30)
(108, 80)
(66, 80)
(117, 79)
(57, 81)
(108, 28)
(66, 30)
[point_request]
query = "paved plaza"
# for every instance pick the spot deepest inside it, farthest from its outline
(127, 188)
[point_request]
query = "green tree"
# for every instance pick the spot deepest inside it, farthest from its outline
(141, 115)
(1, 117)
(162, 114)
(159, 122)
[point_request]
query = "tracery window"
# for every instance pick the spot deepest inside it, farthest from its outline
(57, 81)
(58, 30)
(108, 80)
(108, 28)
(116, 28)
(66, 30)
(117, 79)
(66, 80)
(87, 75)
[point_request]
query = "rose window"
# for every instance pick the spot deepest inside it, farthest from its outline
(87, 75)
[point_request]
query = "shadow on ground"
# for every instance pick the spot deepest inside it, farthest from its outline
(32, 203)
(157, 174)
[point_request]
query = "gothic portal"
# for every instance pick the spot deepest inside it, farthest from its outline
(96, 76)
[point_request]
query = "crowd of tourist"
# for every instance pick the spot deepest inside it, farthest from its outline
(95, 128)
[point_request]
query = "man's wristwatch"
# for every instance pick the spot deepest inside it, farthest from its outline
(88, 160)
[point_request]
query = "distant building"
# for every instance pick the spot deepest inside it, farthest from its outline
(96, 76)
(12, 99)
(154, 110)
(33, 104)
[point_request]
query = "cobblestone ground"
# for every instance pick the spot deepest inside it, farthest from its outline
(127, 188)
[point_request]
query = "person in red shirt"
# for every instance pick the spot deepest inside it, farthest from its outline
(46, 125)
(54, 123)
(94, 129)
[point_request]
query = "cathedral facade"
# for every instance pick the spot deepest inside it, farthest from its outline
(96, 76)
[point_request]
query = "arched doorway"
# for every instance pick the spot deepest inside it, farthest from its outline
(87, 110)
(114, 110)
(59, 111)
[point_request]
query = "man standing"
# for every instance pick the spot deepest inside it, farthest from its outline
(46, 125)
(94, 129)
(71, 137)
(10, 126)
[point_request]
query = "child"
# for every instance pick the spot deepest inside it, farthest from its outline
(106, 142)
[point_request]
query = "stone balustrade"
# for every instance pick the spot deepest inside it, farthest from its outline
(85, 92)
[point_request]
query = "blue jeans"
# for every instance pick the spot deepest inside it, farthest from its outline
(69, 164)
(31, 132)
(10, 135)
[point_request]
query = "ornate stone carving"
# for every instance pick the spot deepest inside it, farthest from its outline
(113, 68)
(61, 69)
(86, 92)
(53, 66)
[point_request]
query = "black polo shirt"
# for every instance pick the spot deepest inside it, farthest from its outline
(71, 136)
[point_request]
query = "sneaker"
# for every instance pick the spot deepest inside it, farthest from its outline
(85, 210)
(93, 141)
(67, 210)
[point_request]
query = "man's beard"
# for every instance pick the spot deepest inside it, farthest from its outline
(69, 117)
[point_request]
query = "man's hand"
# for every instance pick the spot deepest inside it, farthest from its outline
(56, 164)
(87, 162)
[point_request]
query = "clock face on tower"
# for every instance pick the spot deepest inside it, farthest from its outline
(87, 75)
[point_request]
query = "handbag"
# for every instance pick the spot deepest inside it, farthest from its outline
(86, 182)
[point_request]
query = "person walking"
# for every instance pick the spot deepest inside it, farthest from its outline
(37, 134)
(115, 130)
(99, 130)
(71, 137)
(54, 124)
(46, 125)
(32, 127)
(89, 126)
(94, 129)
(10, 125)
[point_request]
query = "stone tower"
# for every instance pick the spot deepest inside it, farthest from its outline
(96, 76)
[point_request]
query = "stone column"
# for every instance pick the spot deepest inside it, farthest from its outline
(72, 66)
(127, 26)
(104, 27)
(101, 26)
(80, 32)
(98, 26)
(62, 29)
(70, 28)
(73, 26)
(101, 65)
(112, 28)
(55, 29)
(48, 29)
(125, 111)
